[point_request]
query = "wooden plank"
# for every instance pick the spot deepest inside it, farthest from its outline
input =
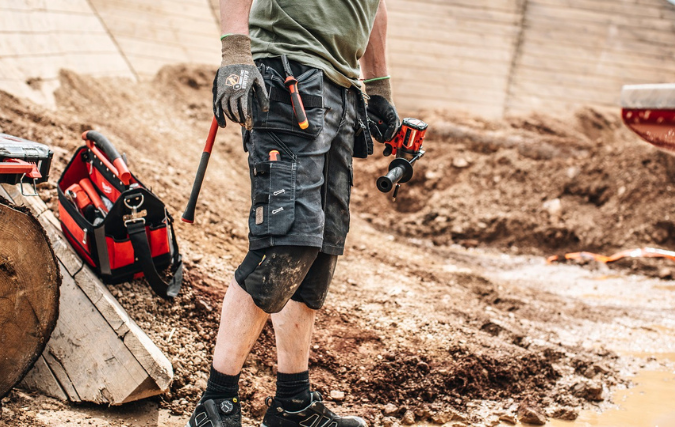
(615, 43)
(42, 21)
(146, 353)
(153, 9)
(580, 54)
(557, 65)
(173, 36)
(165, 53)
(412, 76)
(613, 7)
(14, 44)
(453, 36)
(440, 49)
(68, 6)
(571, 30)
(536, 10)
(414, 104)
(42, 378)
(591, 82)
(500, 5)
(167, 22)
(455, 11)
(97, 353)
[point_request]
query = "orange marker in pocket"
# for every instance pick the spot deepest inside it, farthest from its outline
(274, 156)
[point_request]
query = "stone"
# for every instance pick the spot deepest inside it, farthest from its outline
(595, 391)
(665, 273)
(554, 209)
(565, 413)
(529, 413)
(337, 396)
(460, 163)
(389, 422)
(408, 418)
(508, 418)
(389, 409)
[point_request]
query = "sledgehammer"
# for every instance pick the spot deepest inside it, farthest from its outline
(189, 214)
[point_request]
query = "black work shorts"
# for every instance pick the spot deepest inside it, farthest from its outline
(276, 274)
(302, 197)
(301, 183)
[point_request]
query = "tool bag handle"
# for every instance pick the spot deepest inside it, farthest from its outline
(139, 241)
(119, 166)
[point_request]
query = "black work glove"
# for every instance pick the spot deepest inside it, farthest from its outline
(237, 82)
(383, 119)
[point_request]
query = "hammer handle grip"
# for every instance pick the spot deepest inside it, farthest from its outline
(189, 213)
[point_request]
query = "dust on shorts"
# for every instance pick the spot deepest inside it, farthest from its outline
(274, 275)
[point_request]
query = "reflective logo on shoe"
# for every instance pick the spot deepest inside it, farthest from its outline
(202, 420)
(318, 421)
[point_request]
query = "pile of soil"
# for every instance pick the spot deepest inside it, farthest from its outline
(412, 332)
(533, 184)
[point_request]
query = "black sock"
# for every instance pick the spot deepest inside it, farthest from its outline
(221, 386)
(293, 391)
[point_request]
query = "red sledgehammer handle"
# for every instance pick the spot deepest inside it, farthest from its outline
(189, 214)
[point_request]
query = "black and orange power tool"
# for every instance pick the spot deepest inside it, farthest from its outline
(407, 147)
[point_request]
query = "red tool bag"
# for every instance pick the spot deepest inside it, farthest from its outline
(116, 224)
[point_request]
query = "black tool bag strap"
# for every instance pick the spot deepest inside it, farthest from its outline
(139, 241)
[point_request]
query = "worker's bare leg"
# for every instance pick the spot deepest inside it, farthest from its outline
(241, 322)
(293, 328)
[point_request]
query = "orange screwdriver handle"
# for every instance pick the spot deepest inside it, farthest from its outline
(298, 108)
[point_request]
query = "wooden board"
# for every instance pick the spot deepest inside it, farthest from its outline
(97, 353)
(29, 293)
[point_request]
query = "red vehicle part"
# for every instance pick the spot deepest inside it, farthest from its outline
(649, 111)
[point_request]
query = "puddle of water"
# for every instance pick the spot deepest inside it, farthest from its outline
(651, 403)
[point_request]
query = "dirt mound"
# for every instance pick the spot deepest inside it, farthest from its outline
(531, 185)
(410, 330)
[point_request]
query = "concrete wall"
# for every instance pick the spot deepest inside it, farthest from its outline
(488, 57)
(125, 38)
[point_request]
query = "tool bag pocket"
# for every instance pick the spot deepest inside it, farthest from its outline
(122, 231)
(281, 117)
(273, 204)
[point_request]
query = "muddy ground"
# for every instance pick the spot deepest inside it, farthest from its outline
(429, 321)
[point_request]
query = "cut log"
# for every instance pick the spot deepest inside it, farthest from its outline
(96, 353)
(29, 293)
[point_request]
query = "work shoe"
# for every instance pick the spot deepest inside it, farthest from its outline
(314, 415)
(216, 413)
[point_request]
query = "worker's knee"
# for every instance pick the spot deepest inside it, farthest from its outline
(272, 275)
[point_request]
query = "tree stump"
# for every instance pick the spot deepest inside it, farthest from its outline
(29, 293)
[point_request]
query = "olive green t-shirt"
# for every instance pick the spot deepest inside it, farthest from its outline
(327, 34)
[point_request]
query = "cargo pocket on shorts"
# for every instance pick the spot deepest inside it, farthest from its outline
(281, 117)
(273, 210)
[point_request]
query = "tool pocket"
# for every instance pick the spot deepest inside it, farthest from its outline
(273, 208)
(281, 117)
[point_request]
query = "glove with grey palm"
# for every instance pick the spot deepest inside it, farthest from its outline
(383, 119)
(237, 82)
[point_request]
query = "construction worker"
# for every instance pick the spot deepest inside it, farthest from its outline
(301, 177)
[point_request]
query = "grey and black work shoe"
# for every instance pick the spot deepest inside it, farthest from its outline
(216, 413)
(314, 415)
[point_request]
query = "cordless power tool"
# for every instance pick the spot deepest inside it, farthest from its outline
(407, 147)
